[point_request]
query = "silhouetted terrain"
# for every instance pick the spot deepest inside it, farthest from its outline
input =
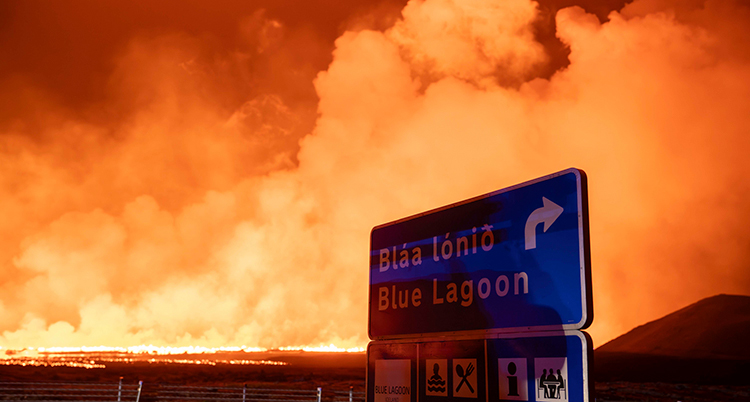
(707, 342)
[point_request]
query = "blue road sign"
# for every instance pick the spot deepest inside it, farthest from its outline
(512, 260)
(541, 366)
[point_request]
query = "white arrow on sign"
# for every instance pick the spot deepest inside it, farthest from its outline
(547, 214)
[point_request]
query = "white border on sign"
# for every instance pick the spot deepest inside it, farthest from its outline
(581, 325)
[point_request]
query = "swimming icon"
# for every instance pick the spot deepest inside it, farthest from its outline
(437, 383)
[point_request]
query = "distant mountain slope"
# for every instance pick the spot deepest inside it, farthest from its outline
(704, 343)
(717, 327)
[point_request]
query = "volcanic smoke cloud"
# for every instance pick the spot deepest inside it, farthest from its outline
(184, 190)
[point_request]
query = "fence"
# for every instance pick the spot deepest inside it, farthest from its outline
(348, 396)
(244, 394)
(100, 392)
(71, 391)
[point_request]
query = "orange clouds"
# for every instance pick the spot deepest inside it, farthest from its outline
(178, 217)
(479, 41)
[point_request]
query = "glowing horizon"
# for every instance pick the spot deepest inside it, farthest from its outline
(96, 357)
(176, 350)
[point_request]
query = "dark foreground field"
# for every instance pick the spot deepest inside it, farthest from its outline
(303, 370)
(339, 371)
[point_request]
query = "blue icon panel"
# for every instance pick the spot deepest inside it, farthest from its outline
(541, 366)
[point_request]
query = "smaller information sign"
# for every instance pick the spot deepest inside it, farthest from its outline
(393, 380)
(538, 366)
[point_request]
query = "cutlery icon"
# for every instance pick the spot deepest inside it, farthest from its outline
(464, 376)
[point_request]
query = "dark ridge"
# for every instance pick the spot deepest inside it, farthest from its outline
(706, 342)
(715, 327)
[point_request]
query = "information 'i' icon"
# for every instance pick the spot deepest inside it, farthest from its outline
(513, 379)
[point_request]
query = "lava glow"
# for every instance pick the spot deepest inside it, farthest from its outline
(175, 174)
(98, 356)
(100, 363)
(148, 349)
(322, 348)
(45, 363)
(168, 350)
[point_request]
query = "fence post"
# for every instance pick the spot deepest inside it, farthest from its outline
(320, 391)
(138, 397)
(119, 390)
(351, 393)
(244, 392)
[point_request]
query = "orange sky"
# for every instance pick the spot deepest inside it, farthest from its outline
(174, 173)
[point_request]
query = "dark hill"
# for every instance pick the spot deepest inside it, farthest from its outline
(715, 327)
(705, 342)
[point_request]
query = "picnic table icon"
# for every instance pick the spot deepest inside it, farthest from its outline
(553, 386)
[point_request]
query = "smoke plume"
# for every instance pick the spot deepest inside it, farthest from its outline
(212, 194)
